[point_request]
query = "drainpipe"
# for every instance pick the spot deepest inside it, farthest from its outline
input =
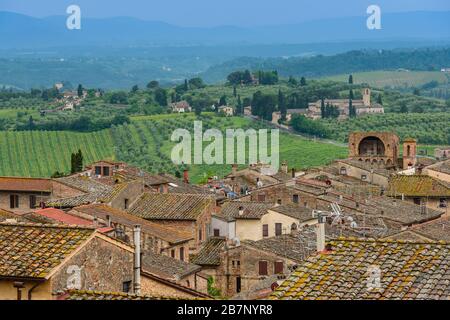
(31, 290)
(137, 259)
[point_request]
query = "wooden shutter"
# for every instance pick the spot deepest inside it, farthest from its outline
(262, 268)
(278, 227)
(265, 230)
(278, 267)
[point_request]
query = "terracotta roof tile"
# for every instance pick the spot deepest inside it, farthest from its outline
(167, 233)
(167, 267)
(209, 254)
(25, 184)
(405, 270)
(418, 186)
(31, 250)
(170, 206)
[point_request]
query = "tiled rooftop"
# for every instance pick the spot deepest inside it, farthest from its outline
(167, 267)
(28, 250)
(170, 206)
(53, 215)
(25, 184)
(418, 186)
(209, 254)
(406, 270)
(167, 233)
(250, 210)
(294, 211)
(100, 295)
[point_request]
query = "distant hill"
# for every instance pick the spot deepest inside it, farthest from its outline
(20, 31)
(344, 63)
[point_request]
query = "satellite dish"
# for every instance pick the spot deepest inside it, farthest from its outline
(353, 225)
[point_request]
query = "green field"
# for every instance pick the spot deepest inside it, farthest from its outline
(41, 153)
(395, 79)
(145, 142)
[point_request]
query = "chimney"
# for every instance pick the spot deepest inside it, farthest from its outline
(320, 233)
(241, 210)
(293, 172)
(284, 167)
(186, 175)
(234, 168)
(108, 219)
(137, 259)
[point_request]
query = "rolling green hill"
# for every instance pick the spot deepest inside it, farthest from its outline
(144, 142)
(394, 79)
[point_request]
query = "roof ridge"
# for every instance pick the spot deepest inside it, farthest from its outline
(372, 240)
(45, 225)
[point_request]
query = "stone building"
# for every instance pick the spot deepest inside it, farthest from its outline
(362, 107)
(21, 195)
(379, 148)
(190, 213)
(155, 238)
(62, 257)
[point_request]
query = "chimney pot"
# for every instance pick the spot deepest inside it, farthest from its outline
(186, 176)
(137, 259)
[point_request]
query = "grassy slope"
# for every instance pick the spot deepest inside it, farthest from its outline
(398, 79)
(41, 153)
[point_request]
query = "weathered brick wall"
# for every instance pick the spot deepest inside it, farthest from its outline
(24, 200)
(283, 193)
(155, 288)
(248, 269)
(104, 267)
(61, 190)
(132, 191)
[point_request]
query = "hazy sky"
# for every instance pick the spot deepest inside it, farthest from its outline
(221, 12)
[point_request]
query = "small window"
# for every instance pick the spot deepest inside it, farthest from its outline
(13, 201)
(295, 198)
(125, 204)
(98, 170)
(216, 233)
(363, 177)
(417, 201)
(182, 253)
(265, 230)
(262, 265)
(278, 267)
(261, 197)
(238, 284)
(279, 201)
(278, 229)
(106, 171)
(200, 234)
(442, 203)
(126, 286)
(32, 202)
(343, 171)
(172, 253)
(188, 284)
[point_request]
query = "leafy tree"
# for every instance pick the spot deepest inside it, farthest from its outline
(379, 99)
(153, 84)
(186, 85)
(161, 97)
(302, 81)
(322, 108)
(351, 96)
(404, 108)
(350, 79)
(239, 107)
(80, 90)
(135, 88)
(119, 97)
(223, 100)
(234, 91)
(196, 83)
(292, 81)
(282, 105)
(304, 125)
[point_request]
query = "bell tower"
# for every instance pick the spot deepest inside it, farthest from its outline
(366, 97)
(409, 153)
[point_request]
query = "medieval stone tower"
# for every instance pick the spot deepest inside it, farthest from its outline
(409, 153)
(366, 97)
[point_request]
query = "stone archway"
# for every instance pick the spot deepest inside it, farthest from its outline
(371, 146)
